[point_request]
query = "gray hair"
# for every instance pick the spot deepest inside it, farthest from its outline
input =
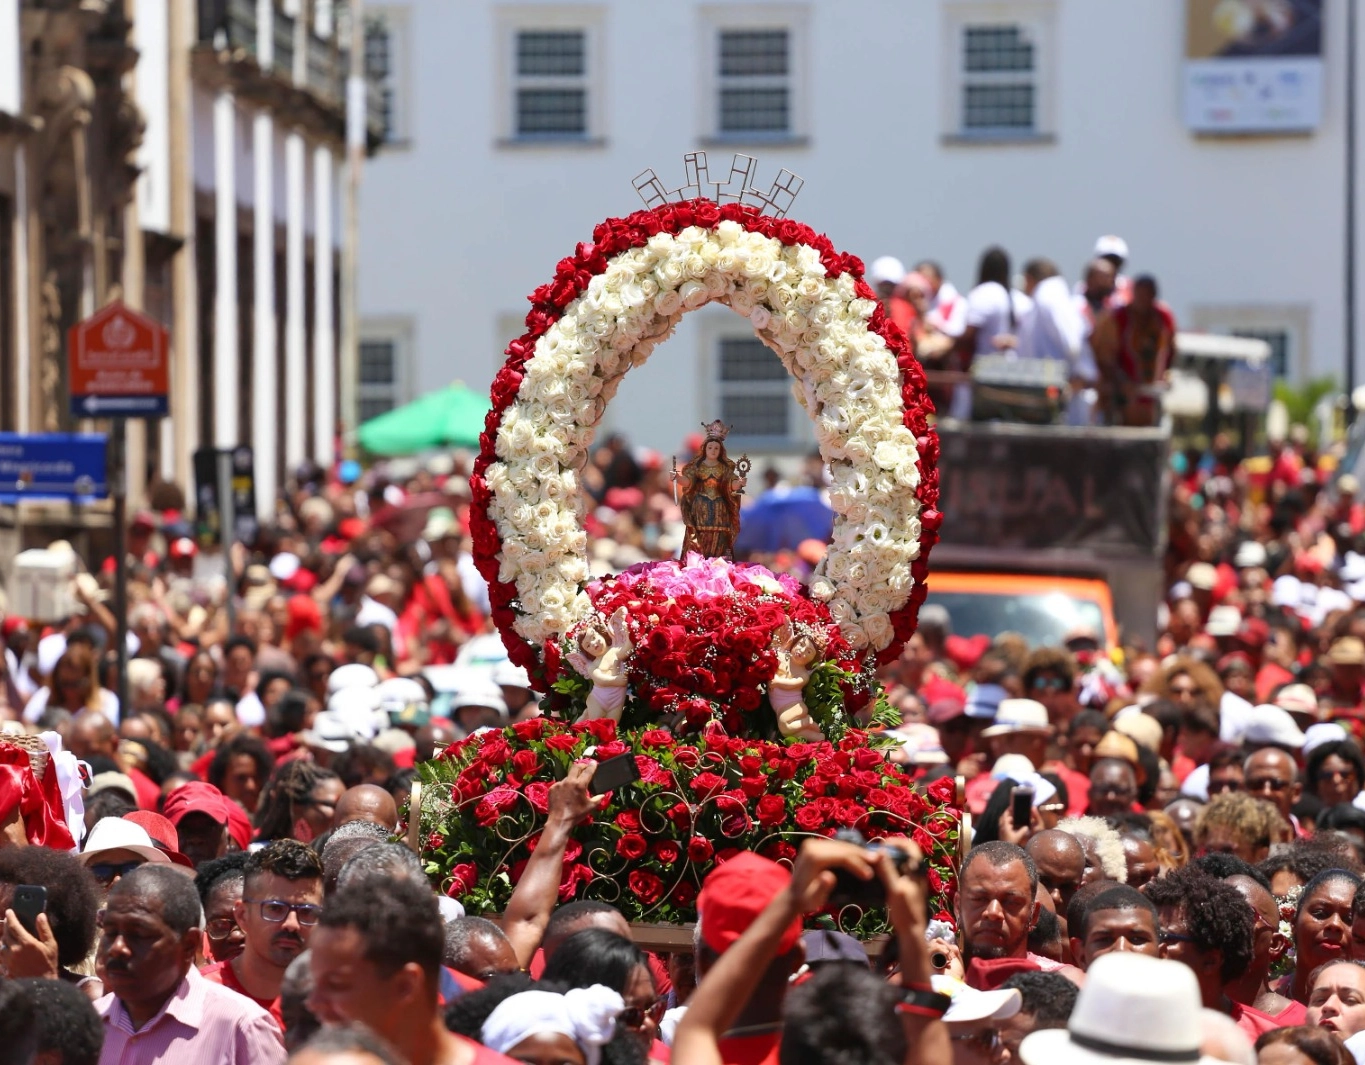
(463, 933)
(383, 861)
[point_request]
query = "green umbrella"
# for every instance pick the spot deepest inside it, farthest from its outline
(452, 417)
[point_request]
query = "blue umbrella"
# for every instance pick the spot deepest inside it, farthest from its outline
(782, 518)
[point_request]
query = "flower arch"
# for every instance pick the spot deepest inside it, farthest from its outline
(609, 305)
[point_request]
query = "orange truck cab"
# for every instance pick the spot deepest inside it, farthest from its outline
(1043, 609)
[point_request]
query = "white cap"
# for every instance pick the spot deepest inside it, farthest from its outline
(330, 732)
(1224, 621)
(1111, 245)
(970, 1005)
(479, 690)
(1250, 554)
(50, 649)
(1323, 732)
(507, 675)
(1268, 724)
(1286, 591)
(398, 693)
(887, 268)
(351, 675)
(450, 908)
(1196, 785)
(284, 565)
(1015, 766)
(357, 707)
(1018, 715)
(112, 834)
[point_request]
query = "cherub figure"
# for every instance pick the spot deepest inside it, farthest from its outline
(796, 652)
(601, 657)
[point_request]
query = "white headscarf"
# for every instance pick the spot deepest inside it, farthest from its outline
(587, 1015)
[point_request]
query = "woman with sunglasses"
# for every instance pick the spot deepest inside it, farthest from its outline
(1322, 929)
(1050, 678)
(596, 956)
(1335, 773)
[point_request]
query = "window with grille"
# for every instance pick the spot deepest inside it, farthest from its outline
(999, 79)
(1280, 343)
(550, 97)
(386, 72)
(754, 389)
(380, 377)
(754, 83)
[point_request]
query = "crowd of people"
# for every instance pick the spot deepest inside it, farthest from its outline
(1168, 840)
(1112, 338)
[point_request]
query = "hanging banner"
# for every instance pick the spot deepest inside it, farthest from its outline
(1253, 66)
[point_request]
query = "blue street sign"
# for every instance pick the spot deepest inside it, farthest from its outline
(120, 406)
(70, 466)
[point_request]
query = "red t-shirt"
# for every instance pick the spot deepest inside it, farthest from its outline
(482, 1055)
(1293, 1015)
(1253, 1022)
(751, 1049)
(148, 793)
(221, 972)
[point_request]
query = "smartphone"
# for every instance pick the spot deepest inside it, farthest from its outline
(1021, 806)
(613, 773)
(29, 901)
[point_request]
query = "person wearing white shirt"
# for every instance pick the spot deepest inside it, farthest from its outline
(1058, 330)
(996, 316)
(947, 309)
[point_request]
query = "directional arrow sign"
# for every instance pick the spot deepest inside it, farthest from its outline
(117, 365)
(52, 466)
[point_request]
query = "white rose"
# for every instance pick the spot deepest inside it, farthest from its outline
(760, 316)
(694, 294)
(879, 631)
(670, 273)
(668, 303)
(822, 590)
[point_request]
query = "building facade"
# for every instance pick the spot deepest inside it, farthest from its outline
(190, 157)
(924, 129)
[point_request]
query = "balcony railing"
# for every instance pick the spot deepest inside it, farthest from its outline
(228, 24)
(283, 30)
(326, 77)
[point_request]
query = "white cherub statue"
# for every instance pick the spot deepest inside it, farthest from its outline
(795, 654)
(601, 657)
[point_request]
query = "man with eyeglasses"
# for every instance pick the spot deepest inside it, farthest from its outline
(280, 906)
(1273, 776)
(1208, 926)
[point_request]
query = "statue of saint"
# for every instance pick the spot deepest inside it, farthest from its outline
(711, 485)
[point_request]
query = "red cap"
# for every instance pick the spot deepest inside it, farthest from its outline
(144, 519)
(735, 894)
(13, 624)
(935, 689)
(239, 825)
(162, 832)
(965, 651)
(196, 797)
(304, 615)
(1254, 633)
(302, 580)
(350, 528)
(182, 548)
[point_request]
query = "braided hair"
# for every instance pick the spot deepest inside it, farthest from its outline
(291, 784)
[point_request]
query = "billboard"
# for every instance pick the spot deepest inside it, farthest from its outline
(1253, 66)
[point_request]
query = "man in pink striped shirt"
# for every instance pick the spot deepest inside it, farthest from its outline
(160, 1009)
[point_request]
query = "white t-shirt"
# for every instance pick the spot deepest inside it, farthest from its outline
(1056, 328)
(36, 706)
(948, 311)
(988, 310)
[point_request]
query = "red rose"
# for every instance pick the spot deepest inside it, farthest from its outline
(610, 749)
(866, 759)
(808, 819)
(646, 887)
(800, 752)
(681, 815)
(753, 787)
(525, 763)
(631, 846)
(770, 811)
(538, 795)
(729, 852)
(699, 849)
(684, 894)
(780, 850)
(573, 876)
(707, 784)
(656, 737)
(572, 850)
(463, 877)
(628, 820)
(562, 741)
(601, 729)
(530, 729)
(667, 851)
(493, 805)
(687, 757)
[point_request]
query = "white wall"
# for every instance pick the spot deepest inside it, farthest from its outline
(456, 229)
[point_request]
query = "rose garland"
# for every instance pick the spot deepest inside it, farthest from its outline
(609, 305)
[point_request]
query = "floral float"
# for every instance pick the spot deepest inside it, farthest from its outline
(699, 801)
(736, 689)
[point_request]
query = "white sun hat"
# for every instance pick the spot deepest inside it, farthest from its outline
(1133, 1010)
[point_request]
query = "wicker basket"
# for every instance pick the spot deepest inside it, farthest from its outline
(33, 746)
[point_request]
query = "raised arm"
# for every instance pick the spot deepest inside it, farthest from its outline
(528, 910)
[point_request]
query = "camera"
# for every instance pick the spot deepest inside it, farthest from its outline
(867, 894)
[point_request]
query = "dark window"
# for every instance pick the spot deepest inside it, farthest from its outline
(754, 89)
